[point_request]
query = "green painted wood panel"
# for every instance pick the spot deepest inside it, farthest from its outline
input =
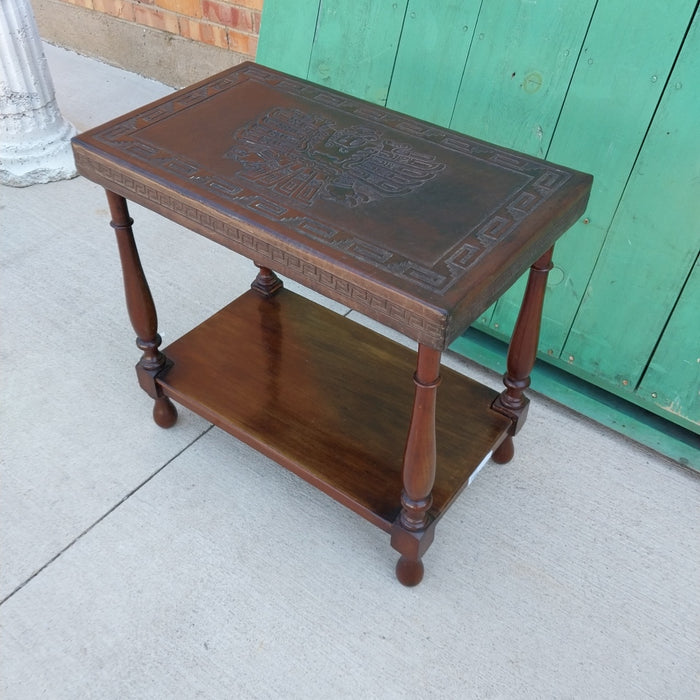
(431, 56)
(622, 415)
(589, 108)
(653, 242)
(626, 59)
(672, 380)
(286, 35)
(519, 68)
(355, 46)
(515, 81)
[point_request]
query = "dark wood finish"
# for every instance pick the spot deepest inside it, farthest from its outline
(266, 283)
(142, 312)
(419, 465)
(338, 421)
(415, 226)
(418, 227)
(419, 455)
(522, 353)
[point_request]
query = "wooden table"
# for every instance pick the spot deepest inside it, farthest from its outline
(413, 225)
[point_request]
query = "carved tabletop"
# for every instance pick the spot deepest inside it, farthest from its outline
(416, 226)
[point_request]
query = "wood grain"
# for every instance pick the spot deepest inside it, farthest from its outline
(268, 371)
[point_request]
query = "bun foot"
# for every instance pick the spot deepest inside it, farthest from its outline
(505, 451)
(409, 572)
(164, 412)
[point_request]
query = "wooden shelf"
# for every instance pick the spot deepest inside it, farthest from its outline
(328, 399)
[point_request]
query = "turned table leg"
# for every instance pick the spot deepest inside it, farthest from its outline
(522, 354)
(413, 531)
(142, 312)
(266, 283)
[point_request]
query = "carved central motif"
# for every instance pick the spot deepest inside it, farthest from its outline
(306, 156)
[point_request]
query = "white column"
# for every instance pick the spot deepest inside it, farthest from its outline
(34, 137)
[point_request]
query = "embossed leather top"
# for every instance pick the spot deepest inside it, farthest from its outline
(416, 226)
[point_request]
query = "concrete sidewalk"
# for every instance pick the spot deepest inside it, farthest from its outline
(142, 563)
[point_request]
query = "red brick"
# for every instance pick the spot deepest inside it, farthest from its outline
(218, 12)
(223, 13)
(189, 8)
(204, 32)
(155, 18)
(242, 43)
(251, 4)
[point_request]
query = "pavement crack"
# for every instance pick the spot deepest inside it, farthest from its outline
(105, 515)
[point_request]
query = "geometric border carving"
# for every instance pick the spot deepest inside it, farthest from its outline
(423, 329)
(541, 179)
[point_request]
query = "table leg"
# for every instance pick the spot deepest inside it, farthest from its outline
(142, 312)
(412, 533)
(266, 283)
(522, 354)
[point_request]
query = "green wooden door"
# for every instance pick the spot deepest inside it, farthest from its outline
(605, 86)
(435, 41)
(610, 101)
(633, 299)
(355, 46)
(672, 379)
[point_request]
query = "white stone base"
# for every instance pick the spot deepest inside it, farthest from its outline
(34, 137)
(38, 161)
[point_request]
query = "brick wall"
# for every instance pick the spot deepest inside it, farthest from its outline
(228, 24)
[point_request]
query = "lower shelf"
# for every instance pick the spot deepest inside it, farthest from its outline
(328, 399)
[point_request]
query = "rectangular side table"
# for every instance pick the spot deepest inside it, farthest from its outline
(416, 226)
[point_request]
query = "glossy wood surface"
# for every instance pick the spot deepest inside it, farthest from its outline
(142, 312)
(328, 399)
(413, 225)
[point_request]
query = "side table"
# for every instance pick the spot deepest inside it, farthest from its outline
(415, 226)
